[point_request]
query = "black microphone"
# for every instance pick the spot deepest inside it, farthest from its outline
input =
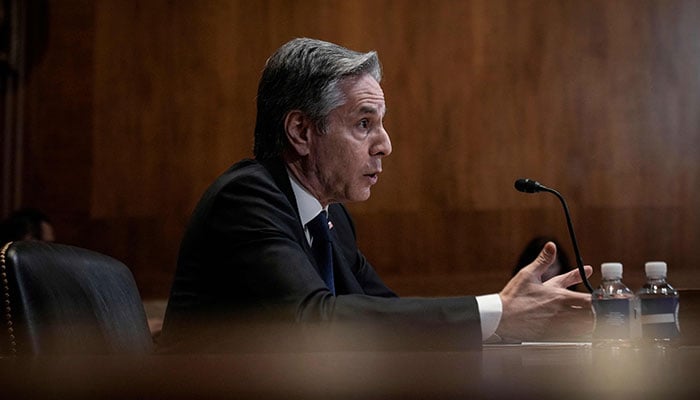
(530, 186)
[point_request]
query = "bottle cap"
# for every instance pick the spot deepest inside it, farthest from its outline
(611, 270)
(655, 269)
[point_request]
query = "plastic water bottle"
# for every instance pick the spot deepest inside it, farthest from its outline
(658, 304)
(613, 307)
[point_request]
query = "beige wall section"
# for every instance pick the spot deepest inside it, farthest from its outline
(598, 99)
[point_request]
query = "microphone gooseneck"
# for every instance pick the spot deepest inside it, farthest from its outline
(530, 186)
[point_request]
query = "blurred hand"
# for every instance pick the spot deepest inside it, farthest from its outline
(533, 310)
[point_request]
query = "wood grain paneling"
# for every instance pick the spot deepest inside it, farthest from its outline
(139, 105)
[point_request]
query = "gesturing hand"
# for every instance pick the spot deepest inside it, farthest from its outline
(533, 310)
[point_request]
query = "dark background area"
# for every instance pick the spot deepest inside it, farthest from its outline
(118, 114)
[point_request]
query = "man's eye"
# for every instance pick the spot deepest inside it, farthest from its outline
(364, 124)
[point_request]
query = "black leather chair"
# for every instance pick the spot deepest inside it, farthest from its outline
(60, 299)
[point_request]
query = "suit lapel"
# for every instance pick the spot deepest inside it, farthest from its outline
(279, 174)
(345, 281)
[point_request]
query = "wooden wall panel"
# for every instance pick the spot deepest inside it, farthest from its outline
(598, 99)
(57, 159)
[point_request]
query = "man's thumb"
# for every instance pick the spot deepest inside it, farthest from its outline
(546, 258)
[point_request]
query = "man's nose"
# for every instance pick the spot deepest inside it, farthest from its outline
(383, 145)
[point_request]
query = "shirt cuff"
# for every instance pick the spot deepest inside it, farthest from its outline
(490, 310)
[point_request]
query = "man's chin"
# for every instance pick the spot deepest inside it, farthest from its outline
(358, 197)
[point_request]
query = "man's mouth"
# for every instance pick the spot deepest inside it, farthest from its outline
(373, 177)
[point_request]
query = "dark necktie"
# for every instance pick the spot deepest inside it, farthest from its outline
(321, 247)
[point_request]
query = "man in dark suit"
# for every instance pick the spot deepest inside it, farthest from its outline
(257, 270)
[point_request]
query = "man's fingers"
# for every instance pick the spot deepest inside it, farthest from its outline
(570, 278)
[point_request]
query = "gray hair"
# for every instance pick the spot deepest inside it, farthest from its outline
(304, 74)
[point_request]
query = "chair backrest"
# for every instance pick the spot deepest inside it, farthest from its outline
(60, 299)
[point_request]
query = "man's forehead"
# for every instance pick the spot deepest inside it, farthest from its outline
(374, 109)
(366, 95)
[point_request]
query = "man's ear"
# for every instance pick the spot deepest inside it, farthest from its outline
(298, 128)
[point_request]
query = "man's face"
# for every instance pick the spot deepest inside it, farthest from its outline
(345, 162)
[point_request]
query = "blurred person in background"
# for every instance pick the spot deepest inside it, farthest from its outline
(26, 224)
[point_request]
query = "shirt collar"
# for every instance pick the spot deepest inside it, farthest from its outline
(308, 205)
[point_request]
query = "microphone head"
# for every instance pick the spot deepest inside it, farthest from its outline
(527, 185)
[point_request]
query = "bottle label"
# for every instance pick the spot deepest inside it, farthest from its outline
(660, 318)
(612, 319)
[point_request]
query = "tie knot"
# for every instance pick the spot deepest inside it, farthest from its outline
(318, 227)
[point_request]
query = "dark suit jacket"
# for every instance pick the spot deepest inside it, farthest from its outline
(247, 280)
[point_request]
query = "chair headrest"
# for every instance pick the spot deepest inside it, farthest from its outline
(66, 299)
